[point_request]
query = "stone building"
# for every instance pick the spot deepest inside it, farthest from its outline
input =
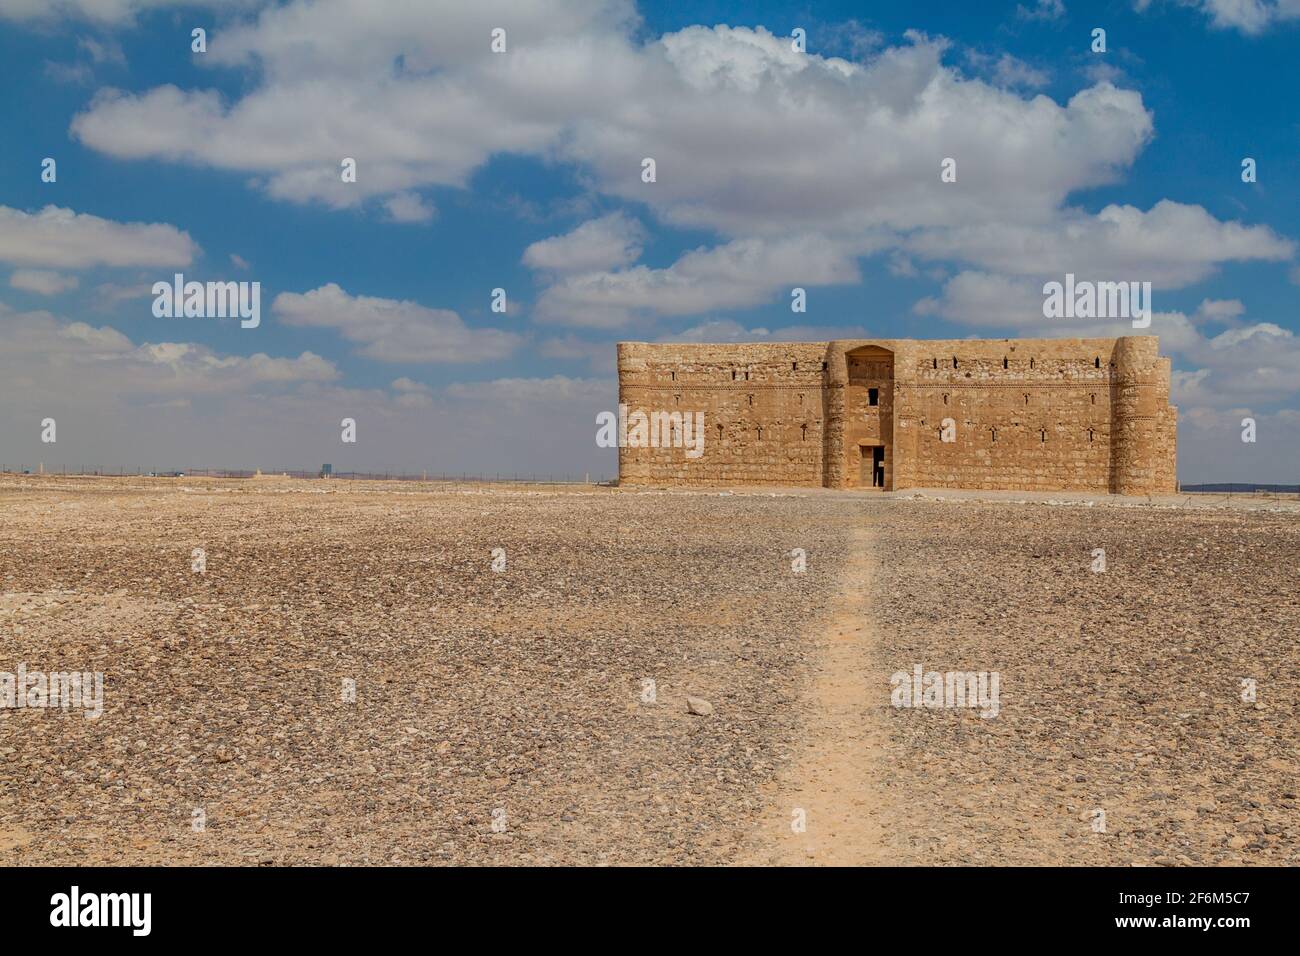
(1027, 414)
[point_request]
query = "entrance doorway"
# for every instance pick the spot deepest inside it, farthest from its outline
(872, 469)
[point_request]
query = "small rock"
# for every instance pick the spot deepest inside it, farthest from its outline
(698, 706)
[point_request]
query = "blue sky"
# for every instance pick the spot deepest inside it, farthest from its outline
(776, 169)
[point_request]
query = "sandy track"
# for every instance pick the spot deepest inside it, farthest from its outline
(827, 809)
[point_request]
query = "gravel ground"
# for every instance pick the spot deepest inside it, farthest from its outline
(1120, 690)
(478, 693)
(515, 698)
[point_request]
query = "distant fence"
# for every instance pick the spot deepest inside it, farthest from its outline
(464, 477)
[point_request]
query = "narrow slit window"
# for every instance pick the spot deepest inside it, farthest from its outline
(935, 361)
(994, 433)
(1094, 398)
(823, 366)
(801, 398)
(1004, 361)
(954, 361)
(760, 432)
(674, 376)
(1031, 363)
(1096, 363)
(1026, 398)
(794, 366)
(751, 400)
(733, 374)
(945, 398)
(1089, 434)
(803, 432)
(873, 396)
(1042, 434)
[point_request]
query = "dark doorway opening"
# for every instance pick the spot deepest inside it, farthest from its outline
(872, 474)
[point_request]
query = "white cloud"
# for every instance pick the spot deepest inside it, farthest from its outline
(105, 12)
(744, 272)
(1170, 245)
(89, 366)
(42, 282)
(61, 238)
(408, 207)
(1250, 17)
(1042, 10)
(1006, 70)
(411, 394)
(390, 330)
(750, 137)
(181, 405)
(598, 244)
(600, 356)
(523, 392)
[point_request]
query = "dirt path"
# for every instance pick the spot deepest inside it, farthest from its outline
(833, 778)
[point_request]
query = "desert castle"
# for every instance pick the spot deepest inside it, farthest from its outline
(1044, 414)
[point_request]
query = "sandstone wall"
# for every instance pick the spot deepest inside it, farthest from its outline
(1045, 414)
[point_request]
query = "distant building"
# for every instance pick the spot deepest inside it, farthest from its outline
(1025, 414)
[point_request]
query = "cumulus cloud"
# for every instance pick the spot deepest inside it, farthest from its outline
(743, 272)
(42, 282)
(598, 244)
(47, 358)
(61, 238)
(749, 136)
(1170, 245)
(1250, 17)
(390, 330)
(105, 12)
(409, 208)
(186, 405)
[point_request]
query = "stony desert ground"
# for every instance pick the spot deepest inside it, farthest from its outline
(505, 716)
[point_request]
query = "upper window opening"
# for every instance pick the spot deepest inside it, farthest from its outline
(873, 396)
